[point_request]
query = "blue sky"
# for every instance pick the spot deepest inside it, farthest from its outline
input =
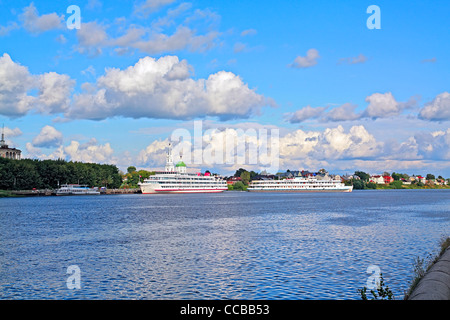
(344, 97)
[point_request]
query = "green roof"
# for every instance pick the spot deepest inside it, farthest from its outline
(180, 164)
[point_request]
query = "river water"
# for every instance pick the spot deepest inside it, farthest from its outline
(233, 245)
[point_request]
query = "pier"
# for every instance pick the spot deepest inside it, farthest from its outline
(50, 192)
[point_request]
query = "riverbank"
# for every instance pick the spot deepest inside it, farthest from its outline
(49, 192)
(434, 283)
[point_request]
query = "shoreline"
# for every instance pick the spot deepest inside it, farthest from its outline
(51, 193)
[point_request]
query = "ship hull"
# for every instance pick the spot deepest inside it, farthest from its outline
(155, 191)
(300, 191)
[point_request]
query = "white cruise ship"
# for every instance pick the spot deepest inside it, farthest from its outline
(76, 190)
(175, 179)
(299, 184)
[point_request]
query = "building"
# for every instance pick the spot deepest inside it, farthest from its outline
(378, 179)
(233, 180)
(388, 179)
(6, 151)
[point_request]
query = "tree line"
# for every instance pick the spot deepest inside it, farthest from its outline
(27, 174)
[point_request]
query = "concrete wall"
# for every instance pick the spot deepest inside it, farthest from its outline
(435, 285)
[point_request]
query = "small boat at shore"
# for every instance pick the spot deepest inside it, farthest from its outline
(76, 190)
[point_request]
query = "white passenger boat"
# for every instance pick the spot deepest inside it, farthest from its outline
(299, 184)
(175, 179)
(76, 190)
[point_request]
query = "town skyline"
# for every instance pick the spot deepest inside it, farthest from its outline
(343, 97)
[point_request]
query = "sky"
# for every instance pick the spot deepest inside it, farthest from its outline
(344, 87)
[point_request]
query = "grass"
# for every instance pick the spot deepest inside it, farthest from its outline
(6, 194)
(421, 266)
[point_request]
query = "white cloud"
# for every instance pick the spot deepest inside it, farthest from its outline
(183, 38)
(149, 6)
(89, 152)
(353, 60)
(163, 89)
(15, 83)
(434, 145)
(11, 133)
(48, 137)
(438, 109)
(249, 32)
(5, 30)
(382, 105)
(305, 113)
(91, 38)
(307, 61)
(431, 60)
(54, 92)
(34, 23)
(154, 155)
(344, 112)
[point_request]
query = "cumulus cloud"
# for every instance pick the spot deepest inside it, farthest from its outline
(307, 61)
(438, 109)
(91, 152)
(154, 154)
(11, 133)
(91, 38)
(305, 113)
(163, 88)
(48, 137)
(197, 32)
(297, 149)
(54, 92)
(382, 105)
(433, 145)
(15, 84)
(34, 23)
(183, 38)
(330, 144)
(344, 112)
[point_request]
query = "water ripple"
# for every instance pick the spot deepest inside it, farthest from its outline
(222, 246)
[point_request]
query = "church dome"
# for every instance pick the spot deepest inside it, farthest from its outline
(180, 164)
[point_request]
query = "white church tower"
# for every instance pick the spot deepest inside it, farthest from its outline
(169, 160)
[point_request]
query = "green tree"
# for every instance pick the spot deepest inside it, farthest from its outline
(364, 176)
(430, 176)
(239, 186)
(131, 169)
(371, 185)
(358, 184)
(239, 172)
(245, 176)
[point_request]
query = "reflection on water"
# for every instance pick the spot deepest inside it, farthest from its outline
(217, 246)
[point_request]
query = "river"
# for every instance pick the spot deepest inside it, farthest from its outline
(233, 245)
